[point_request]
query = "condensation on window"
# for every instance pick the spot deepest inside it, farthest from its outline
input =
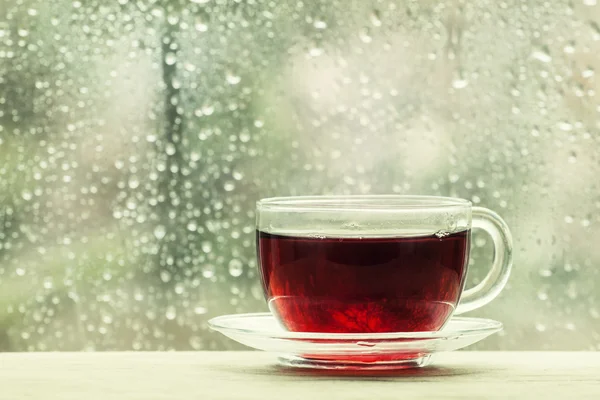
(136, 136)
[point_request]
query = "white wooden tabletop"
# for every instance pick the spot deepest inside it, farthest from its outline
(254, 375)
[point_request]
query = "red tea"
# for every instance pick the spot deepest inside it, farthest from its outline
(353, 285)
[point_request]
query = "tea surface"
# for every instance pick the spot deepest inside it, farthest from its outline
(371, 284)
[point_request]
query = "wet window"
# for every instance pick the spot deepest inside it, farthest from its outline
(136, 136)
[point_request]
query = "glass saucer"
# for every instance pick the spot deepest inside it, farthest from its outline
(392, 350)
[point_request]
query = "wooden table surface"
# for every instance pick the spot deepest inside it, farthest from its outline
(254, 375)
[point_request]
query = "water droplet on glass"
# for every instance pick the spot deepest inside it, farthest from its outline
(235, 267)
(375, 18)
(460, 83)
(200, 310)
(160, 231)
(179, 288)
(208, 271)
(541, 55)
(200, 25)
(170, 58)
(365, 35)
(26, 195)
(165, 276)
(585, 222)
(133, 183)
(206, 246)
(315, 51)
(205, 110)
(170, 149)
(545, 272)
(237, 175)
(229, 186)
(48, 284)
(233, 79)
(318, 24)
(171, 313)
(196, 342)
(587, 73)
(565, 126)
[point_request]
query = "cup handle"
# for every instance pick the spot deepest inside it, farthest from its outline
(496, 279)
